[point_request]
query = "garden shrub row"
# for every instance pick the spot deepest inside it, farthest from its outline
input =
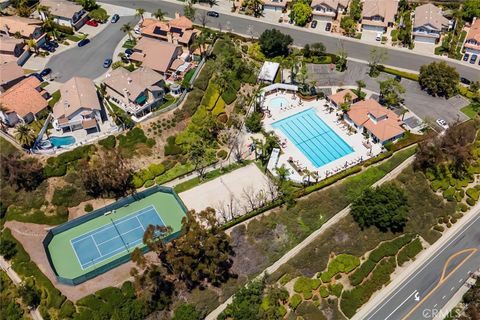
(148, 174)
(210, 97)
(380, 157)
(362, 272)
(204, 76)
(403, 74)
(109, 142)
(304, 284)
(57, 166)
(409, 251)
(343, 263)
(390, 248)
(355, 298)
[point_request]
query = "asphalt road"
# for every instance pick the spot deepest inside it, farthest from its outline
(431, 286)
(87, 61)
(355, 48)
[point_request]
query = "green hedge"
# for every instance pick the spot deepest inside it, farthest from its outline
(204, 76)
(304, 284)
(295, 300)
(109, 142)
(229, 95)
(409, 251)
(403, 74)
(362, 272)
(390, 248)
(148, 174)
(57, 166)
(343, 263)
(380, 157)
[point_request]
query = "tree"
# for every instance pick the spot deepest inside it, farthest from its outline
(355, 10)
(378, 56)
(384, 207)
(89, 5)
(24, 135)
(273, 43)
(127, 28)
(341, 63)
(29, 295)
(439, 79)
(253, 7)
(32, 45)
(317, 49)
(189, 11)
(254, 122)
(99, 14)
(3, 124)
(391, 92)
(405, 32)
(246, 302)
(23, 173)
(347, 101)
(200, 155)
(139, 12)
(187, 311)
(360, 85)
(348, 25)
(106, 176)
(202, 254)
(159, 14)
(471, 9)
(301, 12)
(8, 249)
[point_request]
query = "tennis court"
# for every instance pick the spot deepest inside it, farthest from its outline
(103, 239)
(115, 237)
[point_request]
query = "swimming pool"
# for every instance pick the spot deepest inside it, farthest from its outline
(61, 141)
(313, 137)
(278, 102)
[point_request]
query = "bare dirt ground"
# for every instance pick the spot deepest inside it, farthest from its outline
(31, 236)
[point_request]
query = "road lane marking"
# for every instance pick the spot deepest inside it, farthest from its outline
(401, 304)
(460, 281)
(444, 277)
(436, 304)
(467, 226)
(453, 288)
(443, 297)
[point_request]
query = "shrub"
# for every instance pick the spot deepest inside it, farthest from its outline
(204, 76)
(210, 97)
(439, 228)
(473, 193)
(470, 202)
(229, 95)
(219, 107)
(67, 196)
(343, 263)
(156, 169)
(254, 122)
(307, 295)
(304, 284)
(295, 301)
(323, 292)
(192, 102)
(362, 272)
(67, 310)
(409, 251)
(149, 183)
(172, 148)
(389, 248)
(88, 207)
(109, 142)
(222, 154)
(335, 289)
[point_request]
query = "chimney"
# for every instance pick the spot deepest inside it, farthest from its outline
(177, 15)
(129, 80)
(169, 37)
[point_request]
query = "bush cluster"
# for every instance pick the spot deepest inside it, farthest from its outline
(149, 174)
(409, 251)
(343, 263)
(109, 142)
(390, 248)
(57, 166)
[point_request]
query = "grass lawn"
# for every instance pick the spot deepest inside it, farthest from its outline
(44, 84)
(73, 38)
(6, 147)
(129, 44)
(55, 97)
(469, 111)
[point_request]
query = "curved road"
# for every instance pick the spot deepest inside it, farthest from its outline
(87, 61)
(357, 49)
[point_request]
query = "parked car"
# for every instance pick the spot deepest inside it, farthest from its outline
(313, 25)
(398, 78)
(83, 42)
(442, 123)
(473, 59)
(107, 63)
(45, 72)
(36, 75)
(137, 30)
(213, 14)
(115, 18)
(53, 43)
(328, 26)
(378, 37)
(92, 23)
(465, 81)
(466, 56)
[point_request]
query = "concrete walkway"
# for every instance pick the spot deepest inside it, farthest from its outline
(335, 219)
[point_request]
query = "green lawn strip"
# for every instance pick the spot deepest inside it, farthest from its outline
(177, 171)
(6, 148)
(21, 263)
(403, 74)
(55, 97)
(469, 111)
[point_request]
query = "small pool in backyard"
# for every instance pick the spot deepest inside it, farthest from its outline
(59, 142)
(313, 137)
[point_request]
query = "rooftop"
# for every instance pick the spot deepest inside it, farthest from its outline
(383, 8)
(76, 93)
(23, 98)
(269, 71)
(339, 97)
(428, 14)
(134, 82)
(62, 8)
(154, 54)
(24, 26)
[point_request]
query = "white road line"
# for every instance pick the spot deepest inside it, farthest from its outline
(431, 259)
(460, 280)
(453, 288)
(436, 304)
(401, 304)
(444, 297)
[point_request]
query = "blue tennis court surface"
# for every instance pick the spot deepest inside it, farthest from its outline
(315, 139)
(114, 238)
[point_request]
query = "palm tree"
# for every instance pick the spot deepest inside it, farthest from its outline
(32, 45)
(43, 9)
(199, 42)
(127, 28)
(360, 85)
(24, 135)
(139, 12)
(308, 175)
(159, 15)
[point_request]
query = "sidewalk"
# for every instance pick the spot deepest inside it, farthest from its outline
(340, 215)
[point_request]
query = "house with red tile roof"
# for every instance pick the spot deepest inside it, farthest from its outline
(472, 41)
(13, 49)
(382, 124)
(23, 102)
(10, 74)
(340, 97)
(177, 31)
(26, 28)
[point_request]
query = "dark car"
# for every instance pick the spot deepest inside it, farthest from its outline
(398, 78)
(466, 56)
(83, 42)
(213, 14)
(36, 75)
(465, 81)
(45, 72)
(313, 25)
(107, 63)
(48, 47)
(128, 51)
(328, 26)
(473, 59)
(115, 18)
(53, 44)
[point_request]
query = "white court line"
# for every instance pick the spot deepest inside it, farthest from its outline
(118, 236)
(96, 246)
(141, 225)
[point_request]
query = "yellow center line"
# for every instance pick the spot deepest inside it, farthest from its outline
(444, 277)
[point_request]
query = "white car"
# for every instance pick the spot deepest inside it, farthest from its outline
(442, 123)
(379, 36)
(137, 30)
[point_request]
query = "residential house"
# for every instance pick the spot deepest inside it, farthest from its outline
(23, 102)
(25, 28)
(380, 123)
(177, 31)
(429, 23)
(269, 71)
(13, 50)
(378, 15)
(10, 74)
(161, 56)
(4, 4)
(65, 13)
(340, 97)
(328, 10)
(472, 41)
(136, 92)
(78, 106)
(275, 5)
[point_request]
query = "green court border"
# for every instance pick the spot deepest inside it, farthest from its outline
(61, 255)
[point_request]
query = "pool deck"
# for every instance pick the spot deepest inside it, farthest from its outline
(289, 150)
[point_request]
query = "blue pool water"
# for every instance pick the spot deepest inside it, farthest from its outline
(62, 141)
(313, 137)
(278, 102)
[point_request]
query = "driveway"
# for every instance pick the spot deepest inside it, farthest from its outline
(88, 60)
(418, 101)
(370, 36)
